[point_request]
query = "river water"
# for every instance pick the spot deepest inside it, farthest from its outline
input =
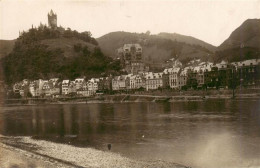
(211, 133)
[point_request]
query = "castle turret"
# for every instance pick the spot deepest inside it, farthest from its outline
(52, 20)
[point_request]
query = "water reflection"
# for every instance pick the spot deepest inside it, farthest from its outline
(193, 133)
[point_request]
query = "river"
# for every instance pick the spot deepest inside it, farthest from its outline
(211, 133)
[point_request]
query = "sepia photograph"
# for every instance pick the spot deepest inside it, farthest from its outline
(129, 84)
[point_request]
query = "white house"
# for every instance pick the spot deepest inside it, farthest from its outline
(65, 87)
(119, 82)
(92, 86)
(131, 81)
(222, 65)
(79, 83)
(139, 81)
(183, 76)
(174, 78)
(153, 80)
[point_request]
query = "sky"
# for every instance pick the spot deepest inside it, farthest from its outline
(209, 20)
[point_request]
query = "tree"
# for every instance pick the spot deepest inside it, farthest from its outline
(30, 59)
(29, 94)
(87, 33)
(160, 88)
(13, 95)
(192, 82)
(148, 32)
(185, 87)
(77, 47)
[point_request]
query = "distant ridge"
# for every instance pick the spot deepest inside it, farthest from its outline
(243, 43)
(247, 34)
(156, 48)
(187, 39)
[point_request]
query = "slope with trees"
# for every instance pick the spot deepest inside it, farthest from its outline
(155, 48)
(44, 53)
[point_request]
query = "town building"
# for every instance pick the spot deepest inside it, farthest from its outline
(199, 75)
(165, 78)
(174, 78)
(72, 88)
(107, 83)
(224, 74)
(140, 81)
(92, 86)
(84, 90)
(17, 87)
(184, 76)
(153, 81)
(65, 87)
(38, 87)
(247, 72)
(79, 83)
(202, 76)
(119, 83)
(172, 63)
(115, 83)
(51, 88)
(32, 88)
(131, 58)
(130, 81)
(54, 80)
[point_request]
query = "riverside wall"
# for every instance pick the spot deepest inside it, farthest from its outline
(152, 96)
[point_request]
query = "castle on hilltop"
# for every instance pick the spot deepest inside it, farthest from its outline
(52, 20)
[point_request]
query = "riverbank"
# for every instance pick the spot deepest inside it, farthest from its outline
(13, 157)
(28, 152)
(156, 96)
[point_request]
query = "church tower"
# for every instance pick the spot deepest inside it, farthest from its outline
(52, 20)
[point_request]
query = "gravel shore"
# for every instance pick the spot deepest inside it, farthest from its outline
(26, 152)
(11, 157)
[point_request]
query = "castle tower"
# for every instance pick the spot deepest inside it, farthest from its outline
(52, 20)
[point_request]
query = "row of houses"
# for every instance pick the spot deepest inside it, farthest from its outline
(56, 87)
(203, 75)
(225, 75)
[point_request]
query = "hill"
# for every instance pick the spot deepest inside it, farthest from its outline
(6, 46)
(243, 43)
(43, 53)
(67, 45)
(187, 39)
(156, 49)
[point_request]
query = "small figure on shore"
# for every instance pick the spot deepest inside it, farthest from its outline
(109, 146)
